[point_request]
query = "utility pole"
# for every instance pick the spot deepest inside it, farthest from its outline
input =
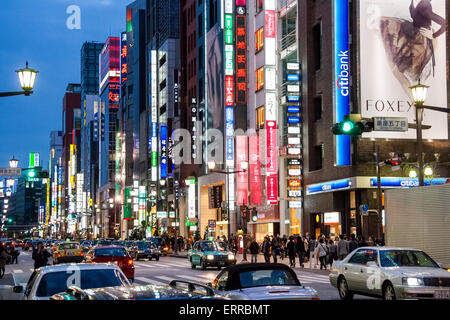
(380, 215)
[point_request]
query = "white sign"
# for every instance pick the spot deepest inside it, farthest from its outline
(294, 193)
(331, 218)
(294, 151)
(293, 88)
(389, 67)
(295, 204)
(293, 140)
(294, 130)
(270, 78)
(294, 172)
(390, 124)
(271, 106)
(293, 66)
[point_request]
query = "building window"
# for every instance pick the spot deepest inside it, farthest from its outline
(259, 78)
(318, 108)
(316, 158)
(317, 45)
(259, 5)
(259, 38)
(260, 118)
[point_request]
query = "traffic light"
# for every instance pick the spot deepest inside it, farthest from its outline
(352, 125)
(31, 173)
(254, 215)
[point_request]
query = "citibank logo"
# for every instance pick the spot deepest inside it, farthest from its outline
(343, 78)
(409, 183)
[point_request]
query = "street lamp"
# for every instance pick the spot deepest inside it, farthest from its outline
(13, 163)
(428, 171)
(413, 174)
(27, 77)
(419, 93)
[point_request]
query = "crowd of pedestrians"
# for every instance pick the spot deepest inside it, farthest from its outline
(320, 252)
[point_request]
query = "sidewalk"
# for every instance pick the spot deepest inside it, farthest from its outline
(239, 257)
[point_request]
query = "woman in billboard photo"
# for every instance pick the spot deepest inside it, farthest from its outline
(410, 45)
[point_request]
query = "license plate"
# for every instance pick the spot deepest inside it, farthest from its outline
(442, 294)
(69, 253)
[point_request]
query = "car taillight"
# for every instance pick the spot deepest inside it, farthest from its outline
(82, 254)
(58, 255)
(130, 262)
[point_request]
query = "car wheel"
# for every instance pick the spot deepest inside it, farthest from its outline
(203, 263)
(137, 258)
(157, 258)
(150, 258)
(193, 266)
(344, 293)
(388, 292)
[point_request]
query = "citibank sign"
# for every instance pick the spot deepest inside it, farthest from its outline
(406, 182)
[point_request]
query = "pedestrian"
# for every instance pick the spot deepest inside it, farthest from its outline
(291, 249)
(14, 254)
(342, 248)
(332, 252)
(300, 248)
(370, 242)
(266, 249)
(275, 246)
(40, 256)
(254, 250)
(322, 252)
(362, 242)
(3, 259)
(353, 244)
(311, 249)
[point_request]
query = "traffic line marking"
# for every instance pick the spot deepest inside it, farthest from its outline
(147, 280)
(17, 271)
(165, 278)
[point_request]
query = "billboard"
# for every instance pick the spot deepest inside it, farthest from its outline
(395, 53)
(242, 176)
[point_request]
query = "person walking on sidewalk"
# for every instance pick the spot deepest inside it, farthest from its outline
(275, 248)
(266, 249)
(291, 249)
(254, 250)
(300, 248)
(342, 248)
(353, 244)
(3, 258)
(332, 252)
(312, 249)
(322, 252)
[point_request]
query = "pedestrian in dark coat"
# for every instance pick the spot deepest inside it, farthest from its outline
(291, 249)
(275, 246)
(40, 256)
(3, 257)
(266, 249)
(353, 244)
(300, 248)
(254, 250)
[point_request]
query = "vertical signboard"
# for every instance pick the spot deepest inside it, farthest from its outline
(341, 83)
(241, 58)
(229, 135)
(191, 198)
(154, 117)
(163, 152)
(271, 130)
(255, 173)
(242, 176)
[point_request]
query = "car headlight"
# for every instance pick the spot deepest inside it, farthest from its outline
(231, 257)
(412, 281)
(210, 257)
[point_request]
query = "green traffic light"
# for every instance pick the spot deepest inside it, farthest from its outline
(347, 126)
(255, 218)
(31, 174)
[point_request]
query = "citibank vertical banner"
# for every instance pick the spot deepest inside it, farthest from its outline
(395, 54)
(341, 78)
(255, 173)
(272, 153)
(242, 177)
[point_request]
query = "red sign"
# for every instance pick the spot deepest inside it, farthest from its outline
(271, 132)
(270, 25)
(229, 100)
(272, 189)
(242, 177)
(241, 59)
(255, 173)
(240, 3)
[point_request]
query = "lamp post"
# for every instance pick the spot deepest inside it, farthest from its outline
(13, 163)
(27, 77)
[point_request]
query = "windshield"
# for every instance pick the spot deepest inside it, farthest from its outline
(110, 252)
(142, 245)
(222, 246)
(406, 258)
(105, 243)
(65, 246)
(210, 246)
(269, 277)
(155, 241)
(57, 282)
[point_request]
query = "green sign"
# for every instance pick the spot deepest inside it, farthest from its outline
(127, 205)
(154, 159)
(228, 36)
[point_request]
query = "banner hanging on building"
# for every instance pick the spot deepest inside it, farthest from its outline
(242, 177)
(402, 42)
(255, 173)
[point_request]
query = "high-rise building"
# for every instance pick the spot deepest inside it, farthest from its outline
(54, 203)
(89, 68)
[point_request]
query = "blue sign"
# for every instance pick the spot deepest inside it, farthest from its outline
(328, 186)
(406, 182)
(163, 152)
(293, 99)
(341, 77)
(293, 119)
(229, 133)
(154, 129)
(293, 77)
(365, 207)
(293, 109)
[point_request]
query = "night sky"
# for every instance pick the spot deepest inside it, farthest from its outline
(35, 30)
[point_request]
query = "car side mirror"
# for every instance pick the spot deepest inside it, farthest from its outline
(17, 289)
(209, 284)
(372, 264)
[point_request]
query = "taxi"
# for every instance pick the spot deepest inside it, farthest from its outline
(210, 254)
(68, 252)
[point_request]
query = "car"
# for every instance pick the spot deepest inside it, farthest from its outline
(261, 281)
(210, 254)
(114, 254)
(140, 249)
(175, 290)
(46, 281)
(86, 245)
(390, 273)
(68, 252)
(155, 252)
(104, 242)
(28, 245)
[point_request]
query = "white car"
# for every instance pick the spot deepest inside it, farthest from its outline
(261, 281)
(47, 281)
(390, 273)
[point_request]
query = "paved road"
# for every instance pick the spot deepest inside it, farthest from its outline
(164, 270)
